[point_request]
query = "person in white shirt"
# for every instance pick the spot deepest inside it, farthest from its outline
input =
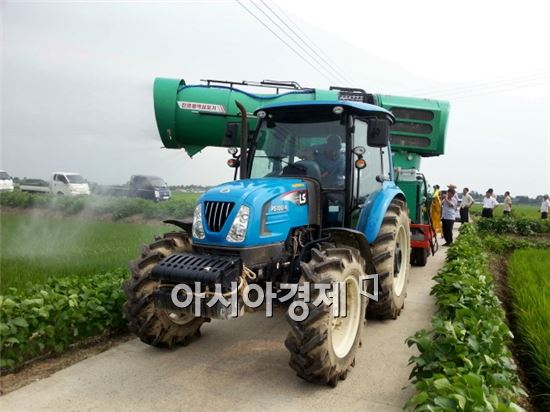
(465, 205)
(507, 209)
(448, 214)
(544, 207)
(489, 204)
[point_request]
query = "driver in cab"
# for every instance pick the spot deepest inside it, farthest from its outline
(332, 162)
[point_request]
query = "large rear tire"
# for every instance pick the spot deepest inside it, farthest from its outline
(154, 326)
(419, 256)
(391, 257)
(323, 347)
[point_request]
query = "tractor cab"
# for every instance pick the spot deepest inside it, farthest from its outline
(329, 145)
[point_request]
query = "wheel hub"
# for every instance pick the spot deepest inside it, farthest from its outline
(179, 318)
(397, 260)
(400, 261)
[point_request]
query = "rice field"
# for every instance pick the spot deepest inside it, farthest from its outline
(529, 283)
(517, 210)
(33, 249)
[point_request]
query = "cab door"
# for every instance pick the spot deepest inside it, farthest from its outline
(56, 184)
(366, 181)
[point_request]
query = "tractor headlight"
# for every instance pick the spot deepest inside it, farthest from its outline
(237, 233)
(157, 193)
(198, 228)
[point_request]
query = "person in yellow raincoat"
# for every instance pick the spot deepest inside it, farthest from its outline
(435, 210)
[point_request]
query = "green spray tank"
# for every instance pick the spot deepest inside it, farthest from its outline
(419, 131)
(193, 117)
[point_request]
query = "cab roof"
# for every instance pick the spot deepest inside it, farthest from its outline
(358, 108)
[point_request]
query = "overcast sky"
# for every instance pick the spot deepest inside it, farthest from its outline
(77, 80)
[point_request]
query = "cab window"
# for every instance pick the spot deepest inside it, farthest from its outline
(367, 177)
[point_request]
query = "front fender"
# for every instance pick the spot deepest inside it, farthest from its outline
(372, 214)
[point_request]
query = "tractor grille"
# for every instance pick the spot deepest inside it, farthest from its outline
(216, 214)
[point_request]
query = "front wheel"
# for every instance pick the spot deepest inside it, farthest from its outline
(323, 345)
(391, 257)
(154, 326)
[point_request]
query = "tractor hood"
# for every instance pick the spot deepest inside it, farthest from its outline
(275, 205)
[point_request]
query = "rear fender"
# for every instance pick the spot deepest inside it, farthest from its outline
(343, 237)
(374, 210)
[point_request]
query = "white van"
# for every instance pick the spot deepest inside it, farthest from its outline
(67, 183)
(6, 182)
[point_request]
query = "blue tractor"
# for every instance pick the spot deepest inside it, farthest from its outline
(314, 205)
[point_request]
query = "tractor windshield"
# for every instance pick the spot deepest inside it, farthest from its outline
(315, 150)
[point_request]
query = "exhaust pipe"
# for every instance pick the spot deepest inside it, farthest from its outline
(244, 141)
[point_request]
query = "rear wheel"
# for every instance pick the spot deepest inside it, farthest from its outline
(419, 256)
(391, 254)
(157, 327)
(323, 346)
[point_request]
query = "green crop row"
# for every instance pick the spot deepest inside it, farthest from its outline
(500, 244)
(529, 284)
(117, 207)
(464, 363)
(520, 226)
(49, 317)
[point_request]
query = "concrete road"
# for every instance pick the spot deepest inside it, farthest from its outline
(238, 365)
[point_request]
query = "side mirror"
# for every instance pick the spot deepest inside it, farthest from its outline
(378, 134)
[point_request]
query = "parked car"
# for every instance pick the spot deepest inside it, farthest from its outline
(61, 183)
(6, 182)
(144, 186)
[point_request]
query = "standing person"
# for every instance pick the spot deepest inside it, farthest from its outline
(544, 207)
(507, 209)
(448, 215)
(442, 196)
(435, 210)
(452, 186)
(489, 204)
(465, 205)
